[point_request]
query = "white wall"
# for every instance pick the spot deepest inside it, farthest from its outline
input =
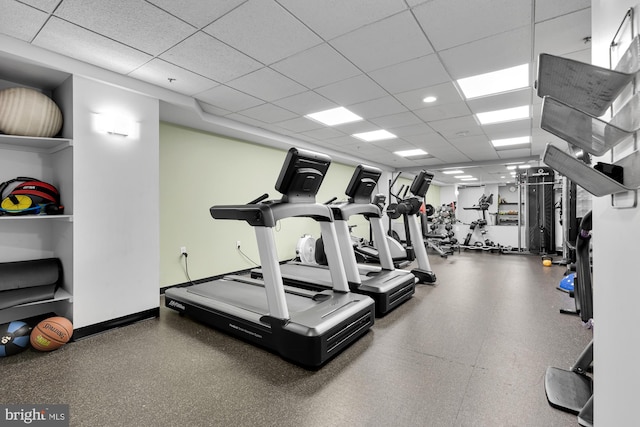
(116, 200)
(615, 271)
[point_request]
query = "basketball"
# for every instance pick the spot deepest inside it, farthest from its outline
(14, 338)
(51, 334)
(27, 112)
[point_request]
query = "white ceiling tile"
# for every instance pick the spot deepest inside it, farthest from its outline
(457, 127)
(44, 5)
(316, 67)
(395, 39)
(357, 127)
(331, 18)
(159, 73)
(220, 63)
(266, 84)
(420, 129)
(135, 23)
(490, 54)
(501, 101)
(75, 42)
(512, 154)
(20, 21)
(443, 111)
(228, 98)
(274, 33)
(198, 13)
(564, 34)
(508, 130)
(268, 113)
(396, 120)
(453, 23)
(247, 120)
(352, 90)
(377, 107)
(305, 103)
(323, 133)
(446, 93)
(546, 9)
(300, 124)
(413, 74)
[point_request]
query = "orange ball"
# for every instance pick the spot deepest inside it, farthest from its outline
(51, 334)
(547, 262)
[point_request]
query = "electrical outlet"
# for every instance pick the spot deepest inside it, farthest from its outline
(237, 244)
(183, 250)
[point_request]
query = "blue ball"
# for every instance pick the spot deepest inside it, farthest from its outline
(14, 338)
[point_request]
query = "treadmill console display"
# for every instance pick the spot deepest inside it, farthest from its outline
(421, 183)
(301, 175)
(362, 184)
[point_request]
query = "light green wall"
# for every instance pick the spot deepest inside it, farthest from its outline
(199, 170)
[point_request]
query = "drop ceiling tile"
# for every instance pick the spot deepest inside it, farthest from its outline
(395, 39)
(396, 120)
(514, 48)
(323, 133)
(331, 18)
(458, 127)
(299, 124)
(343, 141)
(478, 155)
(419, 129)
(305, 103)
(266, 84)
(501, 101)
(564, 34)
(221, 62)
(75, 42)
(512, 154)
(134, 23)
(352, 90)
(443, 111)
(316, 67)
(268, 113)
(414, 74)
(449, 24)
(446, 93)
(246, 120)
(198, 13)
(546, 9)
(252, 29)
(20, 21)
(228, 98)
(159, 73)
(44, 5)
(508, 129)
(357, 127)
(377, 107)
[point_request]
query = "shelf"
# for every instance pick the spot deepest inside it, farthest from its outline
(590, 179)
(60, 295)
(36, 308)
(589, 133)
(27, 143)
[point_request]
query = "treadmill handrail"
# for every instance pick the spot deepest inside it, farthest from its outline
(267, 214)
(345, 210)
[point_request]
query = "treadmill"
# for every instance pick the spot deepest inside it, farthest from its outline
(302, 326)
(388, 286)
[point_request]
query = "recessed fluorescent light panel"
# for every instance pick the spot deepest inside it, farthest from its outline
(464, 176)
(495, 82)
(334, 116)
(469, 179)
(506, 115)
(376, 135)
(512, 167)
(453, 172)
(411, 153)
(511, 141)
(429, 99)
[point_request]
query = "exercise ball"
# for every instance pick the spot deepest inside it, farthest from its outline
(14, 338)
(51, 333)
(27, 112)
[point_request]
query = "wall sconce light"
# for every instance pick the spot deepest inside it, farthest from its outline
(114, 124)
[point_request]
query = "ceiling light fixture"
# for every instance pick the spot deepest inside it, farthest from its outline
(524, 166)
(334, 116)
(411, 153)
(469, 179)
(375, 135)
(512, 167)
(453, 172)
(511, 141)
(506, 115)
(429, 99)
(495, 82)
(463, 176)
